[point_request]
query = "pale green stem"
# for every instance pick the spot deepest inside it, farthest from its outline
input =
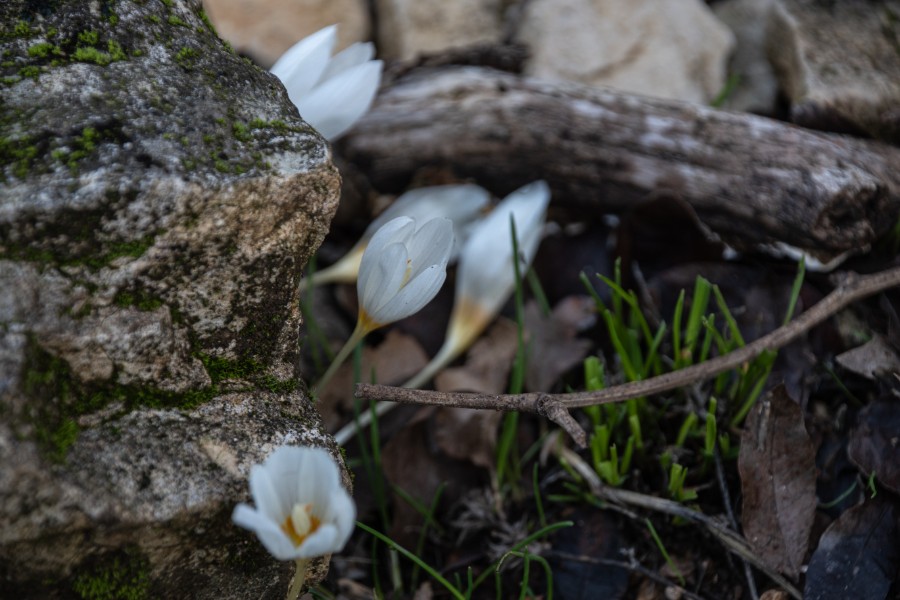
(448, 352)
(355, 338)
(343, 271)
(299, 579)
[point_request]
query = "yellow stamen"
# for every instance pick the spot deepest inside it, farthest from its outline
(300, 524)
(407, 273)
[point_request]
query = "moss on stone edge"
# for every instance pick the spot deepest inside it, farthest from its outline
(58, 399)
(122, 577)
(111, 251)
(49, 45)
(41, 153)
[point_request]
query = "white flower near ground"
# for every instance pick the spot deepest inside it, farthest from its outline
(302, 511)
(485, 278)
(331, 92)
(462, 204)
(402, 270)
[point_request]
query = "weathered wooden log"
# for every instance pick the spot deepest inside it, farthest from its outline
(751, 179)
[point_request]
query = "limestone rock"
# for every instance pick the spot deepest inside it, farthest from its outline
(143, 502)
(264, 29)
(838, 64)
(408, 28)
(665, 48)
(158, 198)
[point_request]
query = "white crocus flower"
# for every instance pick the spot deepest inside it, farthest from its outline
(331, 92)
(462, 204)
(402, 269)
(302, 511)
(486, 277)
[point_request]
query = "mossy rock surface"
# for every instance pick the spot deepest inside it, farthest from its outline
(159, 196)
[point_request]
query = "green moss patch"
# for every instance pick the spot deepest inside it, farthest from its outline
(120, 577)
(42, 153)
(93, 55)
(57, 398)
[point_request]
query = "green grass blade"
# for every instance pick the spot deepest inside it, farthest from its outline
(664, 552)
(522, 544)
(699, 302)
(795, 291)
(415, 559)
(729, 318)
(537, 290)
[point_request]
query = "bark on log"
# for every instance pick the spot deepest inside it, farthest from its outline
(751, 179)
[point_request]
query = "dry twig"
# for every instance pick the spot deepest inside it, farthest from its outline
(852, 288)
(732, 540)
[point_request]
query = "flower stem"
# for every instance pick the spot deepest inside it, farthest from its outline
(356, 337)
(299, 579)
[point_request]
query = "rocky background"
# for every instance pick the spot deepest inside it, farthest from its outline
(820, 55)
(159, 195)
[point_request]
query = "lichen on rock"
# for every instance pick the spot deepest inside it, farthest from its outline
(158, 197)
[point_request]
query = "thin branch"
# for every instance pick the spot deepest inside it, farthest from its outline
(733, 541)
(851, 288)
(726, 501)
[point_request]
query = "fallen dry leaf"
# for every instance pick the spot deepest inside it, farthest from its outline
(778, 479)
(392, 362)
(468, 434)
(487, 364)
(412, 463)
(875, 357)
(858, 555)
(874, 445)
(553, 348)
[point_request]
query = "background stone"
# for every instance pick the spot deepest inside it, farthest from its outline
(839, 65)
(265, 29)
(756, 88)
(665, 48)
(407, 28)
(158, 198)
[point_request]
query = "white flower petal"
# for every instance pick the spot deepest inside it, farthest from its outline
(321, 468)
(486, 274)
(341, 511)
(352, 55)
(303, 64)
(298, 475)
(431, 245)
(269, 498)
(388, 279)
(269, 533)
(414, 296)
(459, 203)
(333, 106)
(289, 466)
(323, 541)
(403, 268)
(397, 229)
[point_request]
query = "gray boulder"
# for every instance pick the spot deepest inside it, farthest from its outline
(838, 64)
(158, 198)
